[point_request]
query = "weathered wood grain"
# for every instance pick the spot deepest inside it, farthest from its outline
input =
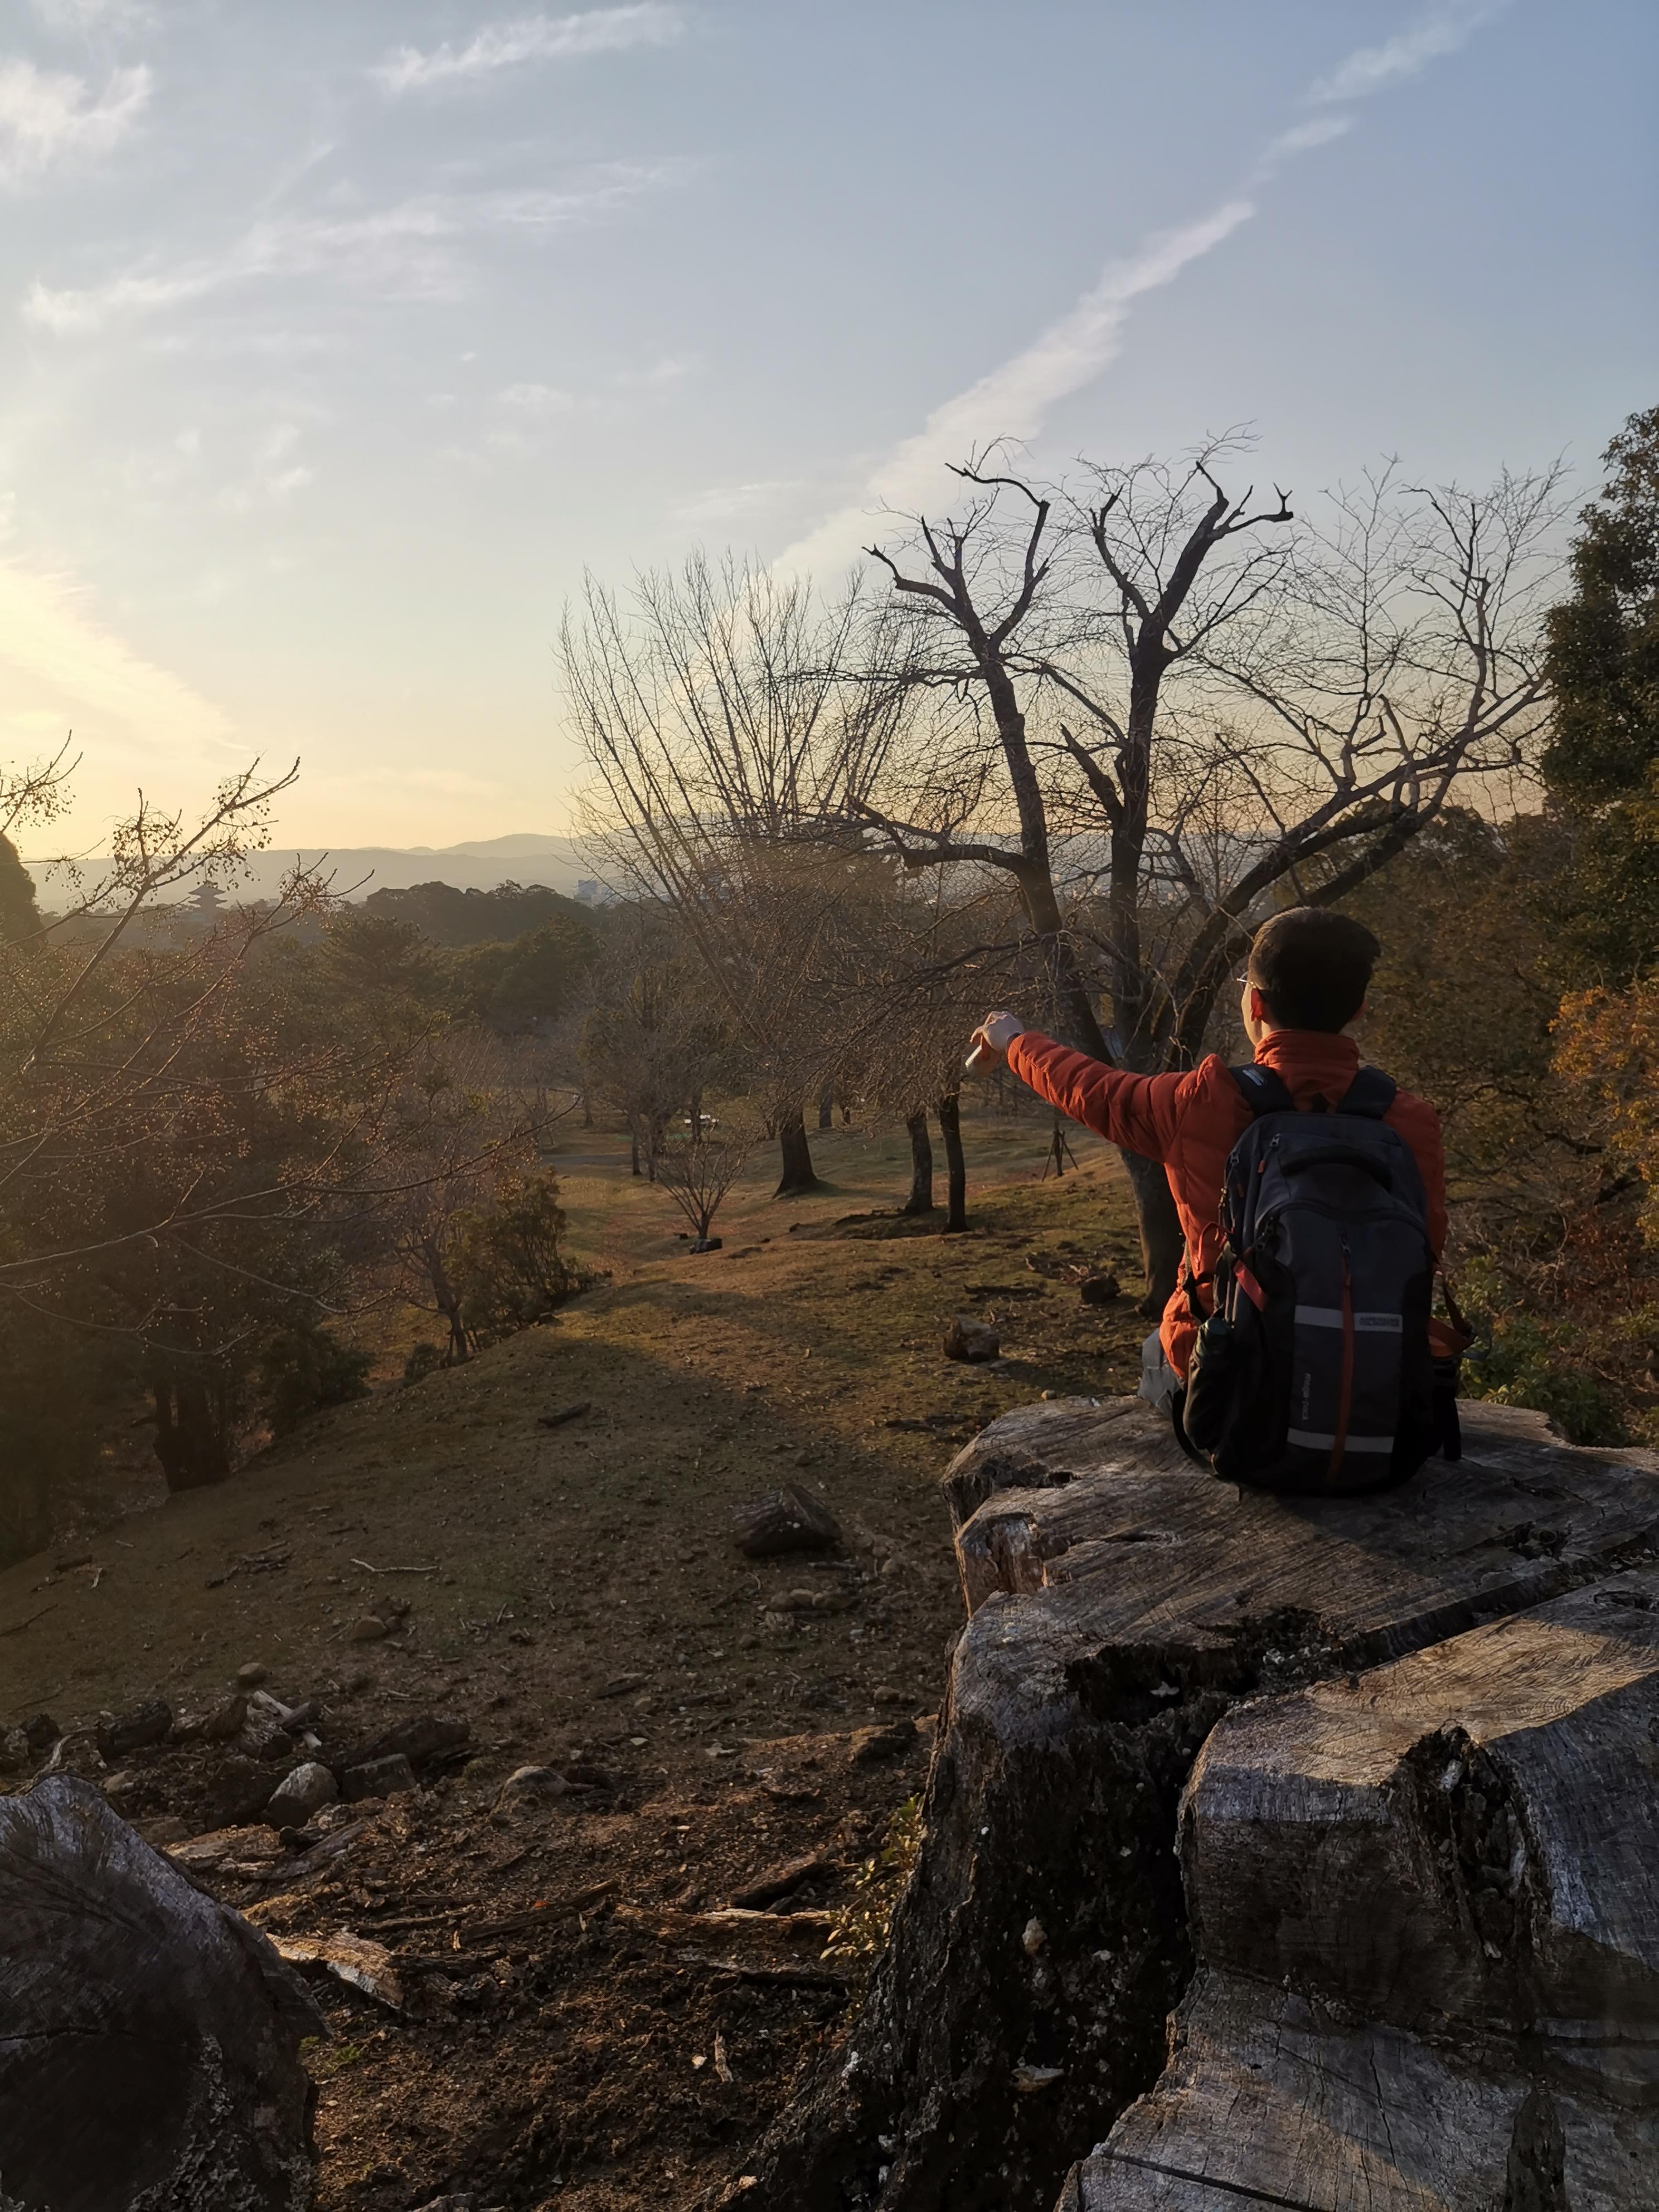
(1122, 1602)
(149, 2038)
(1426, 1906)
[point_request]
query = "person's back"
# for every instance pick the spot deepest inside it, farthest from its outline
(1307, 979)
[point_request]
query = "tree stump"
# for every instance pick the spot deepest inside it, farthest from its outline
(1122, 1604)
(149, 2039)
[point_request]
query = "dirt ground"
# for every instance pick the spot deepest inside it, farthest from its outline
(575, 1595)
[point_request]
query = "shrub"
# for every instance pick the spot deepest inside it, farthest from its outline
(1522, 1357)
(303, 1370)
(508, 1265)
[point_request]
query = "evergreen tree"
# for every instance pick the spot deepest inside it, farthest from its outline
(1602, 763)
(20, 917)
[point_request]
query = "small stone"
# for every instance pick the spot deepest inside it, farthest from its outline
(368, 1628)
(142, 1724)
(250, 1676)
(870, 1746)
(300, 1794)
(971, 1341)
(166, 1828)
(219, 1723)
(885, 1694)
(1098, 1290)
(526, 1782)
(1035, 1937)
(380, 1777)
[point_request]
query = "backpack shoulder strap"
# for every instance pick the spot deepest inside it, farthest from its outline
(1263, 1091)
(1370, 1095)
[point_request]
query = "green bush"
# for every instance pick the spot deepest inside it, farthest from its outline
(1522, 1357)
(303, 1370)
(508, 1264)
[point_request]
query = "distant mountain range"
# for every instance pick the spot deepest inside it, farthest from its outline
(480, 865)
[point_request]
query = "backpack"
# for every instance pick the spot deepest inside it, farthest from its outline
(1313, 1372)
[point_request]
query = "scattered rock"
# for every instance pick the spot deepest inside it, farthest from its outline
(236, 1788)
(166, 1828)
(884, 1694)
(870, 1746)
(300, 1794)
(424, 1741)
(789, 1519)
(1098, 1290)
(971, 1341)
(380, 1777)
(527, 1782)
(250, 1676)
(368, 1628)
(145, 1723)
(219, 1723)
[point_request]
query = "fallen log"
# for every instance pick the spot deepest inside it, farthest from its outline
(1121, 1605)
(149, 2042)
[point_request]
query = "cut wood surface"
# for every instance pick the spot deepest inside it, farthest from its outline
(1460, 1851)
(150, 2041)
(1122, 1603)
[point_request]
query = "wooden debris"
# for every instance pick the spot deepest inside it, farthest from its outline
(354, 1960)
(757, 1946)
(781, 1881)
(788, 1519)
(566, 1412)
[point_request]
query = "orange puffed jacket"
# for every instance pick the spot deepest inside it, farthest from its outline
(1191, 1122)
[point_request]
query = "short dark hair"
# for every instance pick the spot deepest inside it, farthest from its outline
(1312, 968)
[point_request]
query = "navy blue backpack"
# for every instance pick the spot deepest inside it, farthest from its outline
(1313, 1372)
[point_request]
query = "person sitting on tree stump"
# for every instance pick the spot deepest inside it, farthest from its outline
(1297, 1351)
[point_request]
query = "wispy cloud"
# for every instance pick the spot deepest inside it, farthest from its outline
(50, 120)
(274, 476)
(60, 667)
(410, 250)
(87, 18)
(1378, 69)
(1013, 401)
(525, 38)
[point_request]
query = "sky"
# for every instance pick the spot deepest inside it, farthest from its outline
(336, 340)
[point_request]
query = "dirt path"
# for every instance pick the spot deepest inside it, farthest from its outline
(589, 1611)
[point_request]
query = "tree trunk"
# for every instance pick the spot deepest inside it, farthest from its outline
(950, 1122)
(798, 1174)
(447, 1299)
(1019, 2008)
(826, 1108)
(150, 2050)
(921, 1199)
(192, 1440)
(634, 1149)
(1162, 1244)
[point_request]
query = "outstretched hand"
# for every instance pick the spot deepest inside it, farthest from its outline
(996, 1032)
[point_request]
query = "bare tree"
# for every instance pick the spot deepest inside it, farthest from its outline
(724, 715)
(1158, 708)
(698, 1171)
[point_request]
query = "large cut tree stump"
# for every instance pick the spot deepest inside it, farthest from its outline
(1122, 1605)
(148, 2037)
(1426, 1907)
